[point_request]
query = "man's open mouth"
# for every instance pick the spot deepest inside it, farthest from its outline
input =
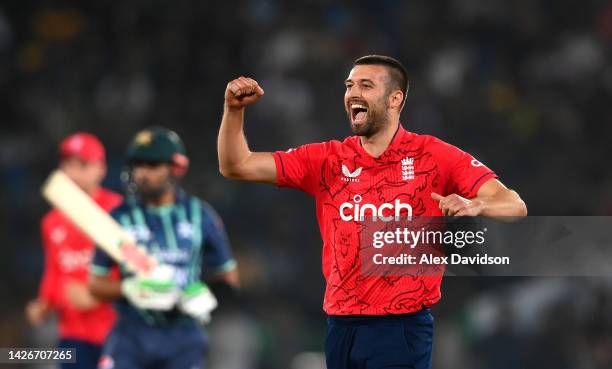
(359, 113)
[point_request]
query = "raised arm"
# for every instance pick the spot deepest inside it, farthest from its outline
(236, 160)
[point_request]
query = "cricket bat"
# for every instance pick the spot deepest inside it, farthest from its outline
(61, 192)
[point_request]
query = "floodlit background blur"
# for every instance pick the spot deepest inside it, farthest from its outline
(525, 86)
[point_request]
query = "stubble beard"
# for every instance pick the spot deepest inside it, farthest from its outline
(148, 193)
(377, 119)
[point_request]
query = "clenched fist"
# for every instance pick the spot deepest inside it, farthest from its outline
(242, 92)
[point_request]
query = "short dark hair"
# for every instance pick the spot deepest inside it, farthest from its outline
(397, 72)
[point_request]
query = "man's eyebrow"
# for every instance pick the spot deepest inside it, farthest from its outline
(359, 80)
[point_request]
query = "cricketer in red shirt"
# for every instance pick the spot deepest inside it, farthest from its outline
(346, 181)
(374, 321)
(68, 252)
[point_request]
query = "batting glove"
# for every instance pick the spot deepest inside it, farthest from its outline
(198, 302)
(156, 291)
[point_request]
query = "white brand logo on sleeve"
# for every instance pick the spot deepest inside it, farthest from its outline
(357, 211)
(350, 177)
(476, 163)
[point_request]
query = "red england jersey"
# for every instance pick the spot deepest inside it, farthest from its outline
(68, 253)
(344, 180)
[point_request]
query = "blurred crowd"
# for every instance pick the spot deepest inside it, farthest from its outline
(524, 85)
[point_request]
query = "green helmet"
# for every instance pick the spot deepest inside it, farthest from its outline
(157, 144)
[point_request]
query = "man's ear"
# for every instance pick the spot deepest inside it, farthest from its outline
(396, 99)
(102, 172)
(180, 165)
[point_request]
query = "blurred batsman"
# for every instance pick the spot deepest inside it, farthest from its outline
(84, 322)
(158, 314)
(383, 172)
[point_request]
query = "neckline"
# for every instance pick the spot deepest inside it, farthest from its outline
(179, 197)
(399, 132)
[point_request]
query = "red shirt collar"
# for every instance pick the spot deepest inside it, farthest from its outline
(401, 136)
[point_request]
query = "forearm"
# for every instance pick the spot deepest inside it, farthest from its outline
(236, 161)
(503, 206)
(232, 145)
(103, 288)
(231, 278)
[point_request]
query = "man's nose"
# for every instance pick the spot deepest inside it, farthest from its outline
(138, 173)
(353, 92)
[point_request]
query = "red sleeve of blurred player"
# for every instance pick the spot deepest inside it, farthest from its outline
(107, 199)
(50, 286)
(298, 168)
(465, 174)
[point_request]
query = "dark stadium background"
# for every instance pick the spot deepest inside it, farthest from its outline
(525, 86)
